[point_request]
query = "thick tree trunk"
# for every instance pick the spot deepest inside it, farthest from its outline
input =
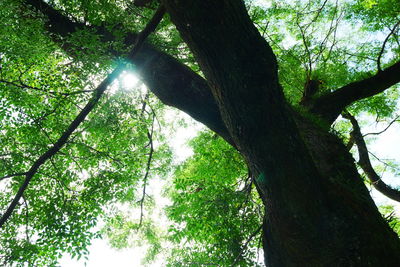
(357, 234)
(318, 212)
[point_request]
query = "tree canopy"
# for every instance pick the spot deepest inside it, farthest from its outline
(79, 145)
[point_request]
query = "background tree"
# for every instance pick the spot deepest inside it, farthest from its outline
(224, 73)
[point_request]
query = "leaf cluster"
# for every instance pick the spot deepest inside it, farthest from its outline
(215, 209)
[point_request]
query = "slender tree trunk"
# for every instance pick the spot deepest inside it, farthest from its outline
(318, 212)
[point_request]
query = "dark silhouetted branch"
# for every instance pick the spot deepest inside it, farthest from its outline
(60, 142)
(331, 105)
(98, 92)
(146, 176)
(25, 86)
(378, 61)
(386, 128)
(247, 243)
(12, 175)
(365, 162)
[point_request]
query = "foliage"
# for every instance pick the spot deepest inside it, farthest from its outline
(99, 175)
(215, 209)
(310, 41)
(390, 216)
(42, 89)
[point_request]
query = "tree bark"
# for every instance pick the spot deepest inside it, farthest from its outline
(318, 212)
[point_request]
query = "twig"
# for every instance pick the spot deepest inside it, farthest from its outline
(38, 120)
(150, 136)
(258, 248)
(351, 55)
(144, 103)
(246, 244)
(383, 161)
(378, 61)
(384, 130)
(26, 218)
(97, 151)
(332, 29)
(308, 52)
(13, 175)
(25, 86)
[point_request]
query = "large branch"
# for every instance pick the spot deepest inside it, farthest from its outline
(365, 162)
(331, 105)
(171, 81)
(98, 92)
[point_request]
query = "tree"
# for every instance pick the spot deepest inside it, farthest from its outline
(271, 91)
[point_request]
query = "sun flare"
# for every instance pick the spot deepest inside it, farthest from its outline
(129, 80)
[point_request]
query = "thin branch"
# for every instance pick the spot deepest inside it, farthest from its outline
(150, 136)
(384, 130)
(308, 52)
(378, 61)
(58, 181)
(54, 93)
(258, 247)
(303, 30)
(150, 27)
(247, 243)
(247, 190)
(59, 178)
(332, 30)
(365, 163)
(26, 219)
(98, 92)
(334, 42)
(39, 120)
(383, 161)
(13, 175)
(318, 12)
(144, 103)
(98, 152)
(352, 55)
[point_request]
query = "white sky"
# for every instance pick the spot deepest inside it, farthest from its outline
(101, 254)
